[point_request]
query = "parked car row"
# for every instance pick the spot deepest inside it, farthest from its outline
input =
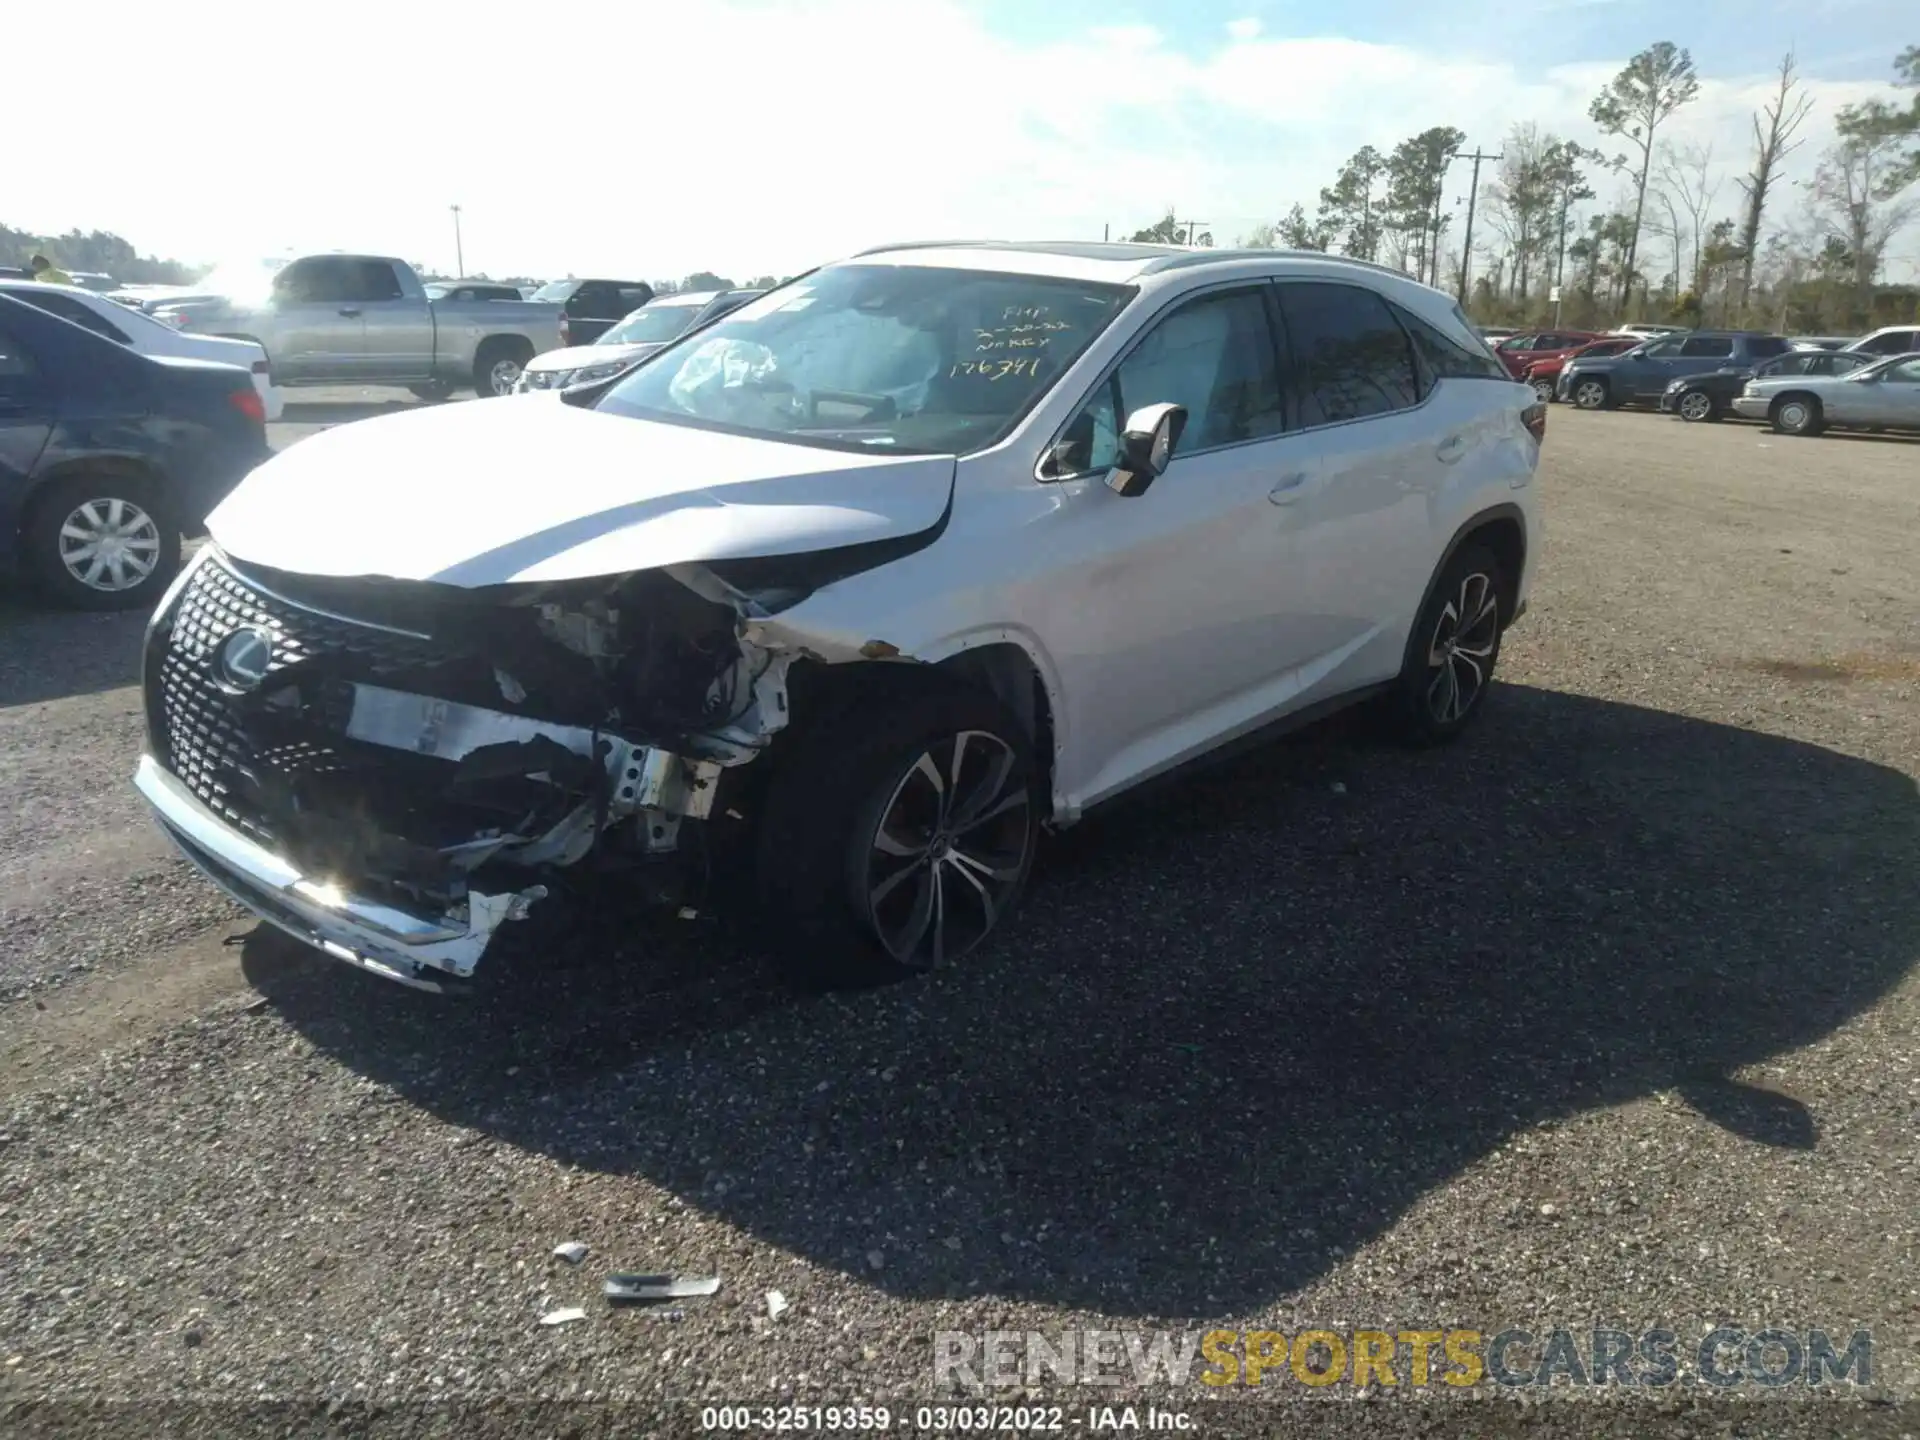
(637, 336)
(1801, 388)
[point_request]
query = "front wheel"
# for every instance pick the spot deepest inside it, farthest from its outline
(1455, 644)
(1542, 391)
(899, 842)
(1590, 394)
(103, 543)
(1697, 405)
(1796, 415)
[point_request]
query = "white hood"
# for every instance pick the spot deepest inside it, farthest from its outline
(574, 356)
(515, 489)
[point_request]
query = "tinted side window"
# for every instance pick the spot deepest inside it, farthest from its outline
(1445, 358)
(70, 309)
(1790, 365)
(1708, 346)
(1349, 358)
(1214, 355)
(15, 362)
(373, 280)
(595, 301)
(632, 297)
(1768, 345)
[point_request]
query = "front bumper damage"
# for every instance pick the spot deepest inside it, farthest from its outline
(318, 779)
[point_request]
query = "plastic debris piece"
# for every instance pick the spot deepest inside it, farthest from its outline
(573, 1252)
(566, 1315)
(643, 1288)
(776, 1302)
(876, 1259)
(687, 912)
(1339, 787)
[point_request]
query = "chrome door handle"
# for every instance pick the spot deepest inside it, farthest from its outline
(349, 310)
(1450, 450)
(1289, 490)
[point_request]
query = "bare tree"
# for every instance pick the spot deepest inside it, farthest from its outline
(1862, 189)
(1774, 127)
(1688, 182)
(1648, 89)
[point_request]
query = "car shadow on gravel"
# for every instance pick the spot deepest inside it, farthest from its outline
(1240, 1029)
(53, 654)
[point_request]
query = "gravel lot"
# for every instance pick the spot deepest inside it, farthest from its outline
(1605, 1016)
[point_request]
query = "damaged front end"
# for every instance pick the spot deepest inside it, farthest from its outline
(392, 770)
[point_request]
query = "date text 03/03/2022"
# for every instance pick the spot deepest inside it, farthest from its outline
(943, 1419)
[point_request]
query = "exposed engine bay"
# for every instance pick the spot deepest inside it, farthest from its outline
(434, 750)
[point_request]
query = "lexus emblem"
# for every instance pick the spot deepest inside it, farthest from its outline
(242, 660)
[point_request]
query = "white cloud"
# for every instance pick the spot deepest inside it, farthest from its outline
(1243, 29)
(831, 125)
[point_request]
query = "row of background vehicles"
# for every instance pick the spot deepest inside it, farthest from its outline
(105, 388)
(1801, 385)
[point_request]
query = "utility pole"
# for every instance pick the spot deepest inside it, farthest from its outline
(1473, 196)
(1190, 228)
(1106, 233)
(1560, 260)
(459, 255)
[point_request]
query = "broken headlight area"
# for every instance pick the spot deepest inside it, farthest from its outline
(415, 743)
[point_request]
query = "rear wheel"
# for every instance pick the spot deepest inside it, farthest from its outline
(497, 366)
(432, 392)
(1542, 390)
(1591, 394)
(1454, 646)
(897, 839)
(1796, 415)
(105, 542)
(1697, 405)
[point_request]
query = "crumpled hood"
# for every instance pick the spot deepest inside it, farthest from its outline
(488, 492)
(575, 356)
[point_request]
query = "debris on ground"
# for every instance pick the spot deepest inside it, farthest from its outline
(573, 1252)
(776, 1303)
(566, 1315)
(875, 1259)
(640, 1288)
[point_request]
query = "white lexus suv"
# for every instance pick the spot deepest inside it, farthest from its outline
(837, 602)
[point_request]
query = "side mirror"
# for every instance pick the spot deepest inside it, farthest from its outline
(1146, 448)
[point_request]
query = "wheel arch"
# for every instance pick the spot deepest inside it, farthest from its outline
(124, 467)
(1503, 529)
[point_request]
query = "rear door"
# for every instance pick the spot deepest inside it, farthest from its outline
(1359, 525)
(1700, 354)
(396, 336)
(1892, 397)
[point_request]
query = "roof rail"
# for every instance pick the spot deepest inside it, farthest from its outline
(972, 244)
(1191, 258)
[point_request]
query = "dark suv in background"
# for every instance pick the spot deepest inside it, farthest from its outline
(590, 308)
(1706, 397)
(1643, 374)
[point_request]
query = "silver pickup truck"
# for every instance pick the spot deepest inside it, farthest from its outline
(366, 320)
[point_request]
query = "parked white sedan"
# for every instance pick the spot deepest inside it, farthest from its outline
(144, 335)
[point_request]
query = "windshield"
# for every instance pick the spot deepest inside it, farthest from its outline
(651, 325)
(555, 292)
(435, 292)
(914, 358)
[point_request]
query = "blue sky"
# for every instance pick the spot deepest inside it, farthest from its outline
(835, 124)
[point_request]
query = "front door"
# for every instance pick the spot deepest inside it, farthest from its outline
(1893, 397)
(26, 419)
(319, 324)
(1170, 613)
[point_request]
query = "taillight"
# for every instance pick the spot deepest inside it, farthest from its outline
(261, 367)
(248, 403)
(1534, 417)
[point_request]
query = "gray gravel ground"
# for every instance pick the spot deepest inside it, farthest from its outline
(1603, 1017)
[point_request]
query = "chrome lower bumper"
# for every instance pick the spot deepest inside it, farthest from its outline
(424, 951)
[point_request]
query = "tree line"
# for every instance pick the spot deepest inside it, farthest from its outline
(1666, 244)
(98, 251)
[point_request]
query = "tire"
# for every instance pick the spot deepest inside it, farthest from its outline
(498, 363)
(853, 813)
(1796, 415)
(1591, 394)
(135, 572)
(1696, 406)
(1424, 710)
(433, 392)
(1542, 391)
